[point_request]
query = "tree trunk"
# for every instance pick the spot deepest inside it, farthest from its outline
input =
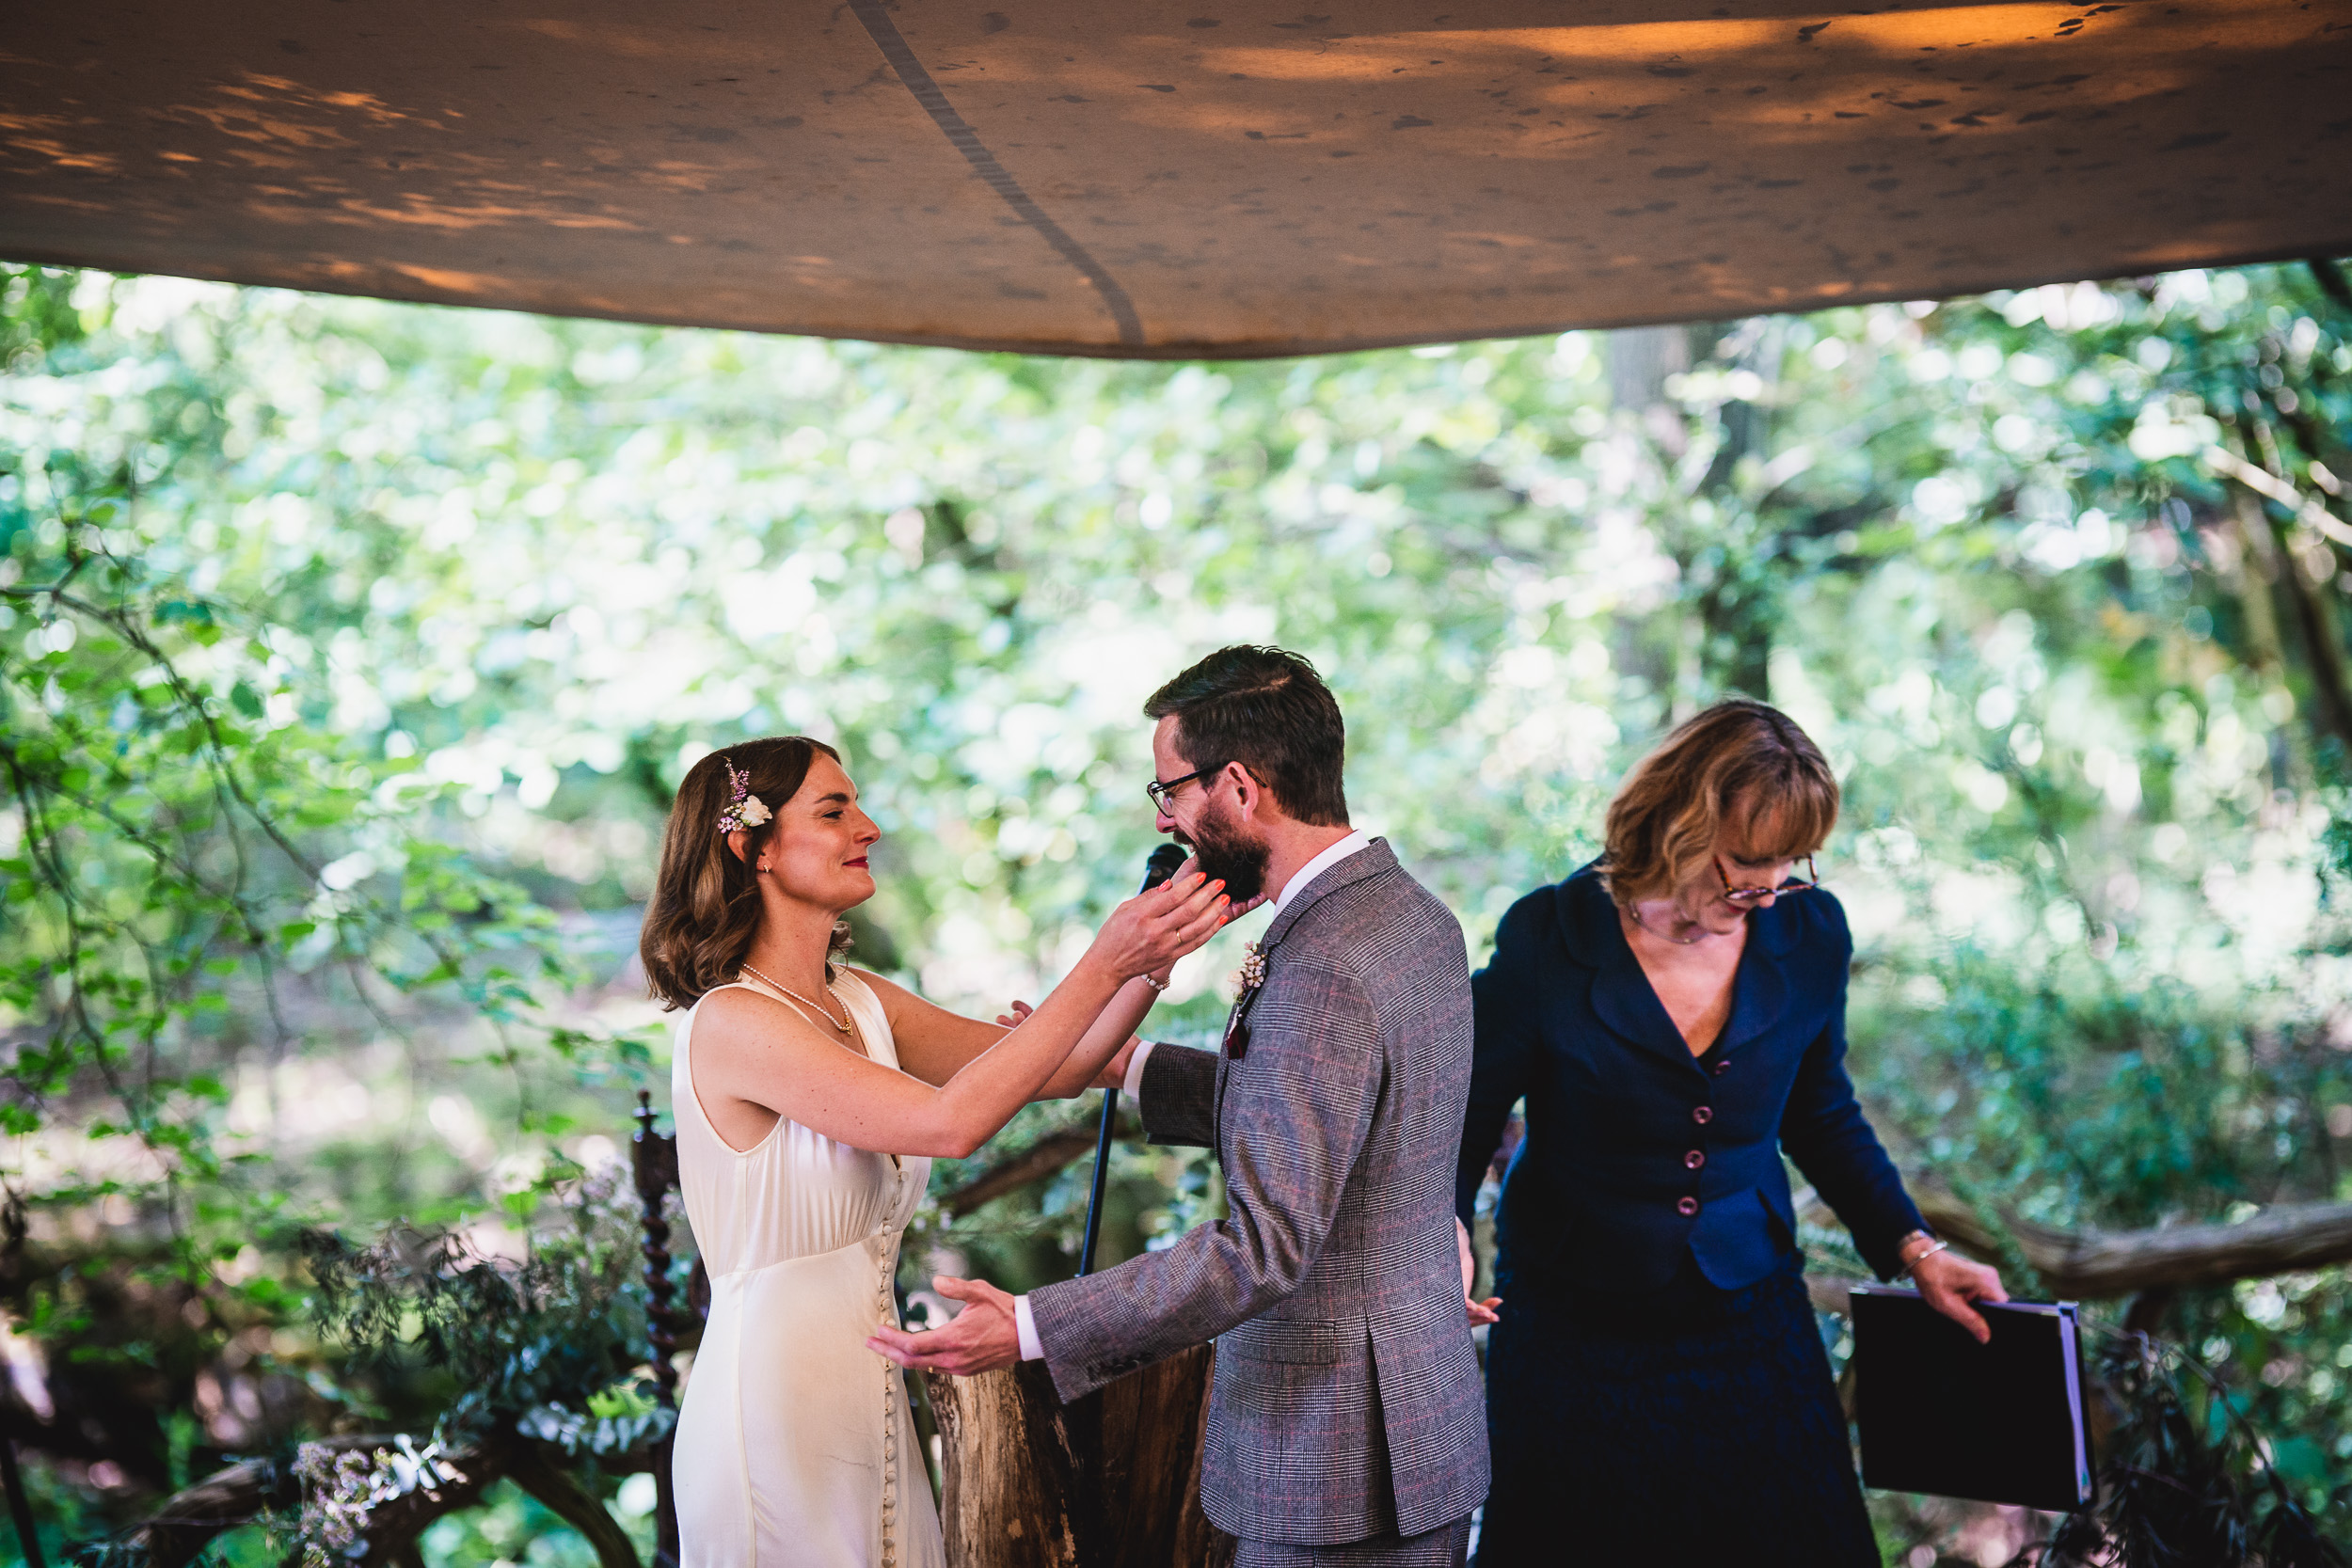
(1009, 1474)
(1112, 1480)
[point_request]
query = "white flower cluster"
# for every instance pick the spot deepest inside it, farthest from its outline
(1251, 974)
(342, 1489)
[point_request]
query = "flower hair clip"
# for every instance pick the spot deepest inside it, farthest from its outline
(743, 808)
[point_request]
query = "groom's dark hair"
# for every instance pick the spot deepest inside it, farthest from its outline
(1268, 710)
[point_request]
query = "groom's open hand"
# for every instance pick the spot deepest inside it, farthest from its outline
(983, 1337)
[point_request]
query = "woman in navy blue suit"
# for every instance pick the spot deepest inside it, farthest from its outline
(1674, 1016)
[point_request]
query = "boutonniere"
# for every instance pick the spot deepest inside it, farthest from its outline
(1247, 979)
(1251, 974)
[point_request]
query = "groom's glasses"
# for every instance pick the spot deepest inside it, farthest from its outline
(1744, 897)
(1160, 792)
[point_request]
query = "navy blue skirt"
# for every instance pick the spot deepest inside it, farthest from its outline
(1692, 1426)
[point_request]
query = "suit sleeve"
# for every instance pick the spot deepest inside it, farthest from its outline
(1503, 1060)
(1178, 1096)
(1825, 1133)
(1297, 1109)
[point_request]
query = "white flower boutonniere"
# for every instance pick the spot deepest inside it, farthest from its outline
(1251, 974)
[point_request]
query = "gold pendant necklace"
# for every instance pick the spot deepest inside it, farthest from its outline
(1680, 942)
(842, 1025)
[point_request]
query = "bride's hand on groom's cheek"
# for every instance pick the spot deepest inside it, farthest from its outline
(983, 1337)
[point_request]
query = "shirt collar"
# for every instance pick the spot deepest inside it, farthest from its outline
(1330, 857)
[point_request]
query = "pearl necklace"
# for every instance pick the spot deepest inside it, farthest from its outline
(843, 1025)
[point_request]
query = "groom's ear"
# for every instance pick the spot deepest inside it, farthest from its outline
(1256, 803)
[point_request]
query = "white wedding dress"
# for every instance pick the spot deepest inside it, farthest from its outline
(795, 1444)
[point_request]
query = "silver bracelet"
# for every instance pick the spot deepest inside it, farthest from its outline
(1911, 1269)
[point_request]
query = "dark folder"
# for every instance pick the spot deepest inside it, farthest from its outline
(2000, 1422)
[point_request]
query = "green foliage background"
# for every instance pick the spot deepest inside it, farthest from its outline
(350, 651)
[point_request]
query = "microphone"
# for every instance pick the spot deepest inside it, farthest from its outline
(1162, 864)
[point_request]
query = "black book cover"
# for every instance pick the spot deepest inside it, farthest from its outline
(1999, 1422)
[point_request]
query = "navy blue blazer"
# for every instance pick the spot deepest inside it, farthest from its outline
(1636, 1151)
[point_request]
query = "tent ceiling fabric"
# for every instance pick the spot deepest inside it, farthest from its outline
(1217, 177)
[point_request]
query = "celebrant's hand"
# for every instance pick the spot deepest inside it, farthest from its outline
(1480, 1311)
(1949, 1282)
(1012, 1020)
(983, 1337)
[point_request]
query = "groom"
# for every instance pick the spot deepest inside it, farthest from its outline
(1346, 1422)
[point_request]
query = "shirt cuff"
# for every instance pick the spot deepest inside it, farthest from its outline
(1132, 1087)
(1024, 1323)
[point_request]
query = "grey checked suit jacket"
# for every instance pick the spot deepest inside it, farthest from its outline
(1346, 1398)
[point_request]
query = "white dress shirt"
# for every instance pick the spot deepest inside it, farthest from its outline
(1033, 1349)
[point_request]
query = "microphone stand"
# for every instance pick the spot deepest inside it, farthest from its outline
(1158, 869)
(1101, 1169)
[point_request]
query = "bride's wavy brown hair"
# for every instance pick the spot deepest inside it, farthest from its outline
(1741, 762)
(704, 908)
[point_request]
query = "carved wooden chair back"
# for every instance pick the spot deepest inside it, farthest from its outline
(653, 1158)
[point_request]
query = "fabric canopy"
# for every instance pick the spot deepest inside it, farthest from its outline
(1213, 178)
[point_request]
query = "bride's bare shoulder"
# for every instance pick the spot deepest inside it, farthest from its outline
(889, 993)
(742, 1016)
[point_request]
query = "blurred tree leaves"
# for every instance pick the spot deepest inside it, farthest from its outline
(357, 647)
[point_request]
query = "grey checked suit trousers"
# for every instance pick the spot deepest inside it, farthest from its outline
(1346, 1404)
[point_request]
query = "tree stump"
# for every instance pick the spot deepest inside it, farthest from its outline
(1112, 1480)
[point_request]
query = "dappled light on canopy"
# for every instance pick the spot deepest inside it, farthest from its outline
(1213, 179)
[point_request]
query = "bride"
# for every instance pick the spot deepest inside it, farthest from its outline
(810, 1098)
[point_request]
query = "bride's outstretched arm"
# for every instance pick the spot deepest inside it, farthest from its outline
(753, 1049)
(934, 1043)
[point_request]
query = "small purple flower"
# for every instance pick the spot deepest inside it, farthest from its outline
(743, 809)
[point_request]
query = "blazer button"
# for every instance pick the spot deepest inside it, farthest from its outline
(1702, 1113)
(1686, 1206)
(1694, 1160)
(1721, 1067)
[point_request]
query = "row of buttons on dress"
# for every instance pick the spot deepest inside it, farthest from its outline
(886, 1267)
(1688, 1204)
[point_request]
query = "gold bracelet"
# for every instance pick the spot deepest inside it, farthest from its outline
(1155, 985)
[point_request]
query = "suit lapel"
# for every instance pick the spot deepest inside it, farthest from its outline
(1625, 1001)
(1367, 863)
(1760, 991)
(1622, 998)
(1216, 1104)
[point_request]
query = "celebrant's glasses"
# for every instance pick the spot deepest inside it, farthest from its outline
(1744, 897)
(1160, 792)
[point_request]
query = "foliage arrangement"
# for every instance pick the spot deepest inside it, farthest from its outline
(2184, 1480)
(349, 652)
(549, 1347)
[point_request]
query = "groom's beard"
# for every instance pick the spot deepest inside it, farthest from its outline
(1228, 853)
